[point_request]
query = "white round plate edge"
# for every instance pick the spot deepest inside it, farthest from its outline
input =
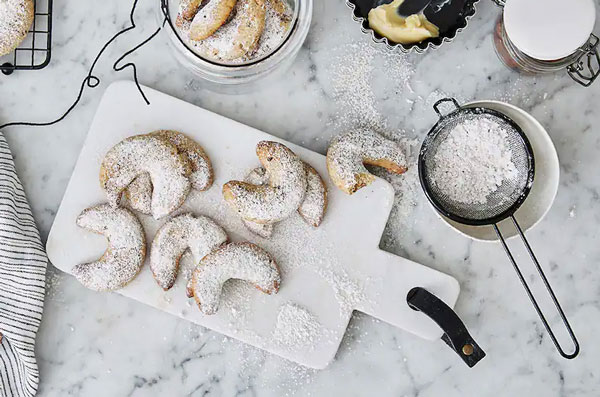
(487, 233)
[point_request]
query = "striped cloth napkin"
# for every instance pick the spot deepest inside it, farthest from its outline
(22, 284)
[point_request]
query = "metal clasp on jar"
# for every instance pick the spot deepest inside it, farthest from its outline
(587, 66)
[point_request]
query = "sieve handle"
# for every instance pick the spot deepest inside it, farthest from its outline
(436, 106)
(548, 288)
(456, 335)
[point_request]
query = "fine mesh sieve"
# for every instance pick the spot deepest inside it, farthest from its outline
(500, 204)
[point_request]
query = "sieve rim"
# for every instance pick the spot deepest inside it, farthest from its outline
(432, 134)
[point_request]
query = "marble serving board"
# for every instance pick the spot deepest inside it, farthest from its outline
(327, 272)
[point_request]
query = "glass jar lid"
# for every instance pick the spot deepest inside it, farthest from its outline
(549, 29)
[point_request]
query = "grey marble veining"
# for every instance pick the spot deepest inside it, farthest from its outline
(103, 344)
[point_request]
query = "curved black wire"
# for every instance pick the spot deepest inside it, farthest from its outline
(93, 81)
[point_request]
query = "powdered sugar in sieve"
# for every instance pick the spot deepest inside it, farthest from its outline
(476, 165)
(474, 160)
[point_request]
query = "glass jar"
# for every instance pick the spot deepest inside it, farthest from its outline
(526, 42)
(225, 77)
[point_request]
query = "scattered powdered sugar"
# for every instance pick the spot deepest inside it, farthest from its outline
(235, 299)
(295, 244)
(355, 77)
(296, 328)
(352, 74)
(348, 291)
(15, 20)
(223, 45)
(474, 160)
(407, 191)
(312, 250)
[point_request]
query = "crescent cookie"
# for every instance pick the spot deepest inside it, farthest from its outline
(281, 197)
(349, 152)
(243, 261)
(126, 250)
(312, 209)
(139, 192)
(16, 18)
(187, 11)
(199, 234)
(155, 155)
(244, 30)
(210, 18)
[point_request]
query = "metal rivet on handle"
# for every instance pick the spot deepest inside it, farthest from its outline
(467, 349)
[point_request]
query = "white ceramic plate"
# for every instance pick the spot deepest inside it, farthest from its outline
(545, 184)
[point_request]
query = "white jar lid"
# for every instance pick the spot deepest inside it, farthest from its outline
(549, 29)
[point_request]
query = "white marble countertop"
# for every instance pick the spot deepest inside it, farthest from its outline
(104, 344)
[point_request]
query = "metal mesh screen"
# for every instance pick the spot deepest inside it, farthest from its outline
(498, 202)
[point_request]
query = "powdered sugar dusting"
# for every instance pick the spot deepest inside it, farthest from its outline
(311, 249)
(258, 176)
(139, 191)
(474, 160)
(126, 248)
(312, 208)
(198, 234)
(318, 257)
(150, 154)
(278, 200)
(15, 19)
(201, 177)
(296, 328)
(352, 84)
(242, 261)
(314, 205)
(348, 152)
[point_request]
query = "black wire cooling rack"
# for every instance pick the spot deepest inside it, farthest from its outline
(35, 51)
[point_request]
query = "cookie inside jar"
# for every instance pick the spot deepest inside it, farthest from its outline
(234, 32)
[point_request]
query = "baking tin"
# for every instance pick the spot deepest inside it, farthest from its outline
(469, 9)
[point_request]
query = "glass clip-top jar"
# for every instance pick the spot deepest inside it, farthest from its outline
(547, 36)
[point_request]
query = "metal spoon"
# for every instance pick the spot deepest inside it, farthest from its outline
(411, 7)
